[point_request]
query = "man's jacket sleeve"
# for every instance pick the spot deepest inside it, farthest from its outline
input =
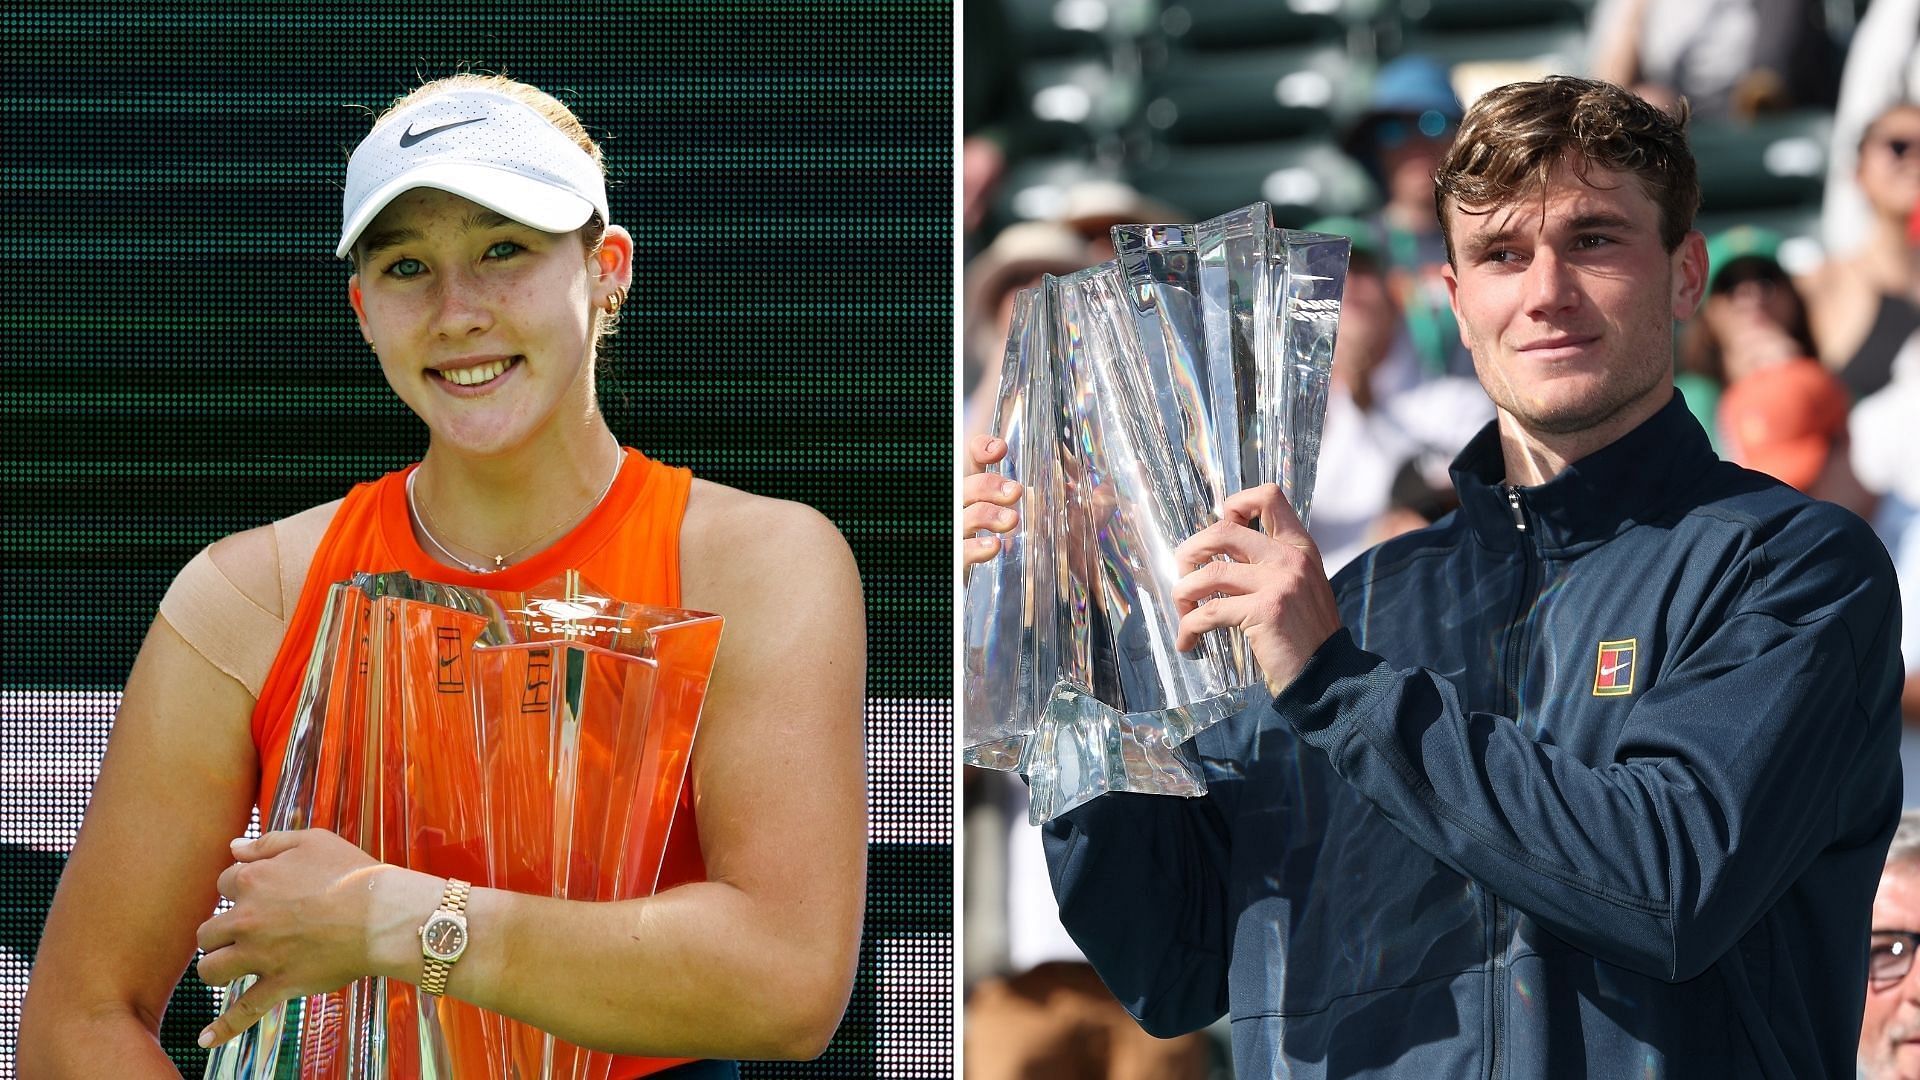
(1769, 735)
(1141, 885)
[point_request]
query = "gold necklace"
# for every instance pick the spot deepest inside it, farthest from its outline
(428, 525)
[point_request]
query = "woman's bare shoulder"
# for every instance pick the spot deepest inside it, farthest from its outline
(733, 540)
(711, 505)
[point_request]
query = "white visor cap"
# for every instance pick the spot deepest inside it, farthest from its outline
(481, 146)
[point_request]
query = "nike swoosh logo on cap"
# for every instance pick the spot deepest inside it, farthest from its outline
(410, 136)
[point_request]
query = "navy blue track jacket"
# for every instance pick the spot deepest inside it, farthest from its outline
(1597, 780)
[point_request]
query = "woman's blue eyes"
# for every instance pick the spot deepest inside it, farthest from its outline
(406, 268)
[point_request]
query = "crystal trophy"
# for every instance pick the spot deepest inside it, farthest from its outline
(1136, 395)
(530, 741)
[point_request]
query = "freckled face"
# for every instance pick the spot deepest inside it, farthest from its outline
(483, 325)
(1567, 301)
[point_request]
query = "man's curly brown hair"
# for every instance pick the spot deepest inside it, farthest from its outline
(1515, 136)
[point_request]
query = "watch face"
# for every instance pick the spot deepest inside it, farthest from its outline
(444, 936)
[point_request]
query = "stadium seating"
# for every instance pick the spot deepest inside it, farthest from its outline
(1211, 104)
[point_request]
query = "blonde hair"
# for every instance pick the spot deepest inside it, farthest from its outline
(554, 112)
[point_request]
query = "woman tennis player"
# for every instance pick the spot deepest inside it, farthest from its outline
(486, 271)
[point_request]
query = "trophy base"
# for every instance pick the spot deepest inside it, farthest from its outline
(1083, 748)
(1002, 754)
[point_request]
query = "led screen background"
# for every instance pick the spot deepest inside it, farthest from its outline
(181, 362)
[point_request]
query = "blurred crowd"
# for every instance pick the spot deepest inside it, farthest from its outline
(1803, 362)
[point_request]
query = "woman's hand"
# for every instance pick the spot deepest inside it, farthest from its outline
(987, 501)
(305, 920)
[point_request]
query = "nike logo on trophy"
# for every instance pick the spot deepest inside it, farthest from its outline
(449, 651)
(538, 696)
(410, 136)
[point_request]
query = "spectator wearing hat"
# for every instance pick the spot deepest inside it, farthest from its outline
(1016, 260)
(1382, 415)
(1789, 420)
(1865, 303)
(1093, 207)
(1411, 117)
(1753, 317)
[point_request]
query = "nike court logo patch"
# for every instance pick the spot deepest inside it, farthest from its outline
(1613, 670)
(410, 136)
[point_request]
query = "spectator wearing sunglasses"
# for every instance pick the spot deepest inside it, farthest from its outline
(1883, 67)
(1412, 113)
(1890, 1030)
(1866, 304)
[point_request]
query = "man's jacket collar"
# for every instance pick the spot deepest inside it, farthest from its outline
(1624, 483)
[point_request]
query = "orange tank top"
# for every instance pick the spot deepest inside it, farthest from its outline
(629, 545)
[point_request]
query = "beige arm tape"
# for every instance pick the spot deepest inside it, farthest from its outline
(298, 537)
(222, 623)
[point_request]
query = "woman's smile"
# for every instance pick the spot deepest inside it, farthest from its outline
(471, 376)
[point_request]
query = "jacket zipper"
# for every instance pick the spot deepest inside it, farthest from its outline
(1515, 669)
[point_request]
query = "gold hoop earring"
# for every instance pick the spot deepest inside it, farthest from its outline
(614, 299)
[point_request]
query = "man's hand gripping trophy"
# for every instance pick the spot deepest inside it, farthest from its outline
(1256, 568)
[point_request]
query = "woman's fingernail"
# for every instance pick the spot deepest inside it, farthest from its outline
(206, 1038)
(1002, 517)
(994, 445)
(1007, 486)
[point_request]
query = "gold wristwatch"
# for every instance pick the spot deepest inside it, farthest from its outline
(444, 937)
